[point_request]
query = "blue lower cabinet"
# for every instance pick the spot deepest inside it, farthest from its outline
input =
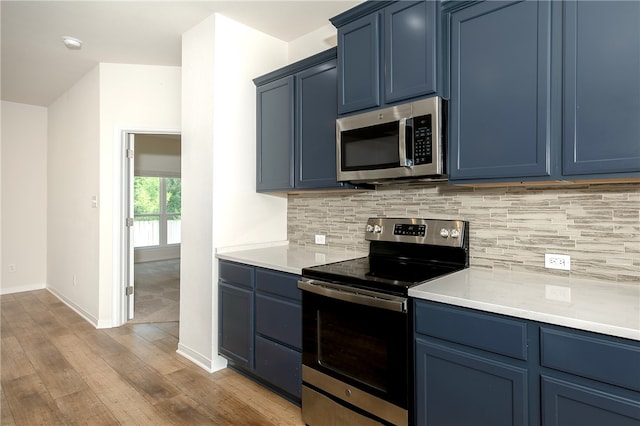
(539, 374)
(236, 325)
(459, 388)
(260, 325)
(569, 403)
(235, 313)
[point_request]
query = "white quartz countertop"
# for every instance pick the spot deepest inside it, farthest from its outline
(592, 305)
(287, 258)
(602, 307)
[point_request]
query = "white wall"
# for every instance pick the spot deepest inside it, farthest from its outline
(24, 197)
(315, 42)
(219, 203)
(73, 163)
(196, 297)
(138, 98)
(84, 140)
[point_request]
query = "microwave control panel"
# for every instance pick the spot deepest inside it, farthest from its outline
(422, 148)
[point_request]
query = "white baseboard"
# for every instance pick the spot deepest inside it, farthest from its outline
(22, 288)
(84, 314)
(210, 365)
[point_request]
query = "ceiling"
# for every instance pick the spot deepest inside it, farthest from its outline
(37, 68)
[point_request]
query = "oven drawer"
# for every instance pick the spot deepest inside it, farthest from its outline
(480, 330)
(318, 409)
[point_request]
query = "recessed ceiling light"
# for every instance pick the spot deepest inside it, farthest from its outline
(72, 43)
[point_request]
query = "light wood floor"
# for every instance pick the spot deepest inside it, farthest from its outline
(157, 291)
(57, 369)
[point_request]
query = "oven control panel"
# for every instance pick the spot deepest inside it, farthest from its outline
(440, 232)
(409, 229)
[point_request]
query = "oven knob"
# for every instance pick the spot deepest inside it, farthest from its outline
(377, 229)
(444, 233)
(347, 392)
(455, 233)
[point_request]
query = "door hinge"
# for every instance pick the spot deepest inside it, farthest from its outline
(128, 290)
(129, 221)
(129, 153)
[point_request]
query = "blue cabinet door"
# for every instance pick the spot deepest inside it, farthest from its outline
(317, 110)
(601, 87)
(458, 388)
(410, 37)
(280, 366)
(235, 332)
(500, 122)
(359, 69)
(570, 403)
(275, 135)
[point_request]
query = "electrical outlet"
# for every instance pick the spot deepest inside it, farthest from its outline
(321, 239)
(557, 261)
(12, 268)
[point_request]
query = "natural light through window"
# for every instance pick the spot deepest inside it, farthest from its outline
(156, 211)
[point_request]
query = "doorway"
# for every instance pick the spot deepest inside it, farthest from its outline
(154, 219)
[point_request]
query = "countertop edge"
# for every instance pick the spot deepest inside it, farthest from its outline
(287, 258)
(542, 317)
(281, 268)
(444, 290)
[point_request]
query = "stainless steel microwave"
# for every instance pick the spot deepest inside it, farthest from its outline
(404, 141)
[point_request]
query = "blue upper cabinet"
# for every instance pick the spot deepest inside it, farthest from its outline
(500, 123)
(296, 133)
(359, 58)
(601, 90)
(316, 113)
(275, 135)
(544, 90)
(410, 47)
(386, 48)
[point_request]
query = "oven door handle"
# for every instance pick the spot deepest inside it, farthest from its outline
(355, 295)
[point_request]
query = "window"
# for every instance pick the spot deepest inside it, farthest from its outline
(157, 211)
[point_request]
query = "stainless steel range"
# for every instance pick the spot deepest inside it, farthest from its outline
(357, 321)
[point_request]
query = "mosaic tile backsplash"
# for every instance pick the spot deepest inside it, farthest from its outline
(510, 227)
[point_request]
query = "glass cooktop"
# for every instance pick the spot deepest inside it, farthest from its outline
(379, 273)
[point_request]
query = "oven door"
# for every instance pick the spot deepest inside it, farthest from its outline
(356, 349)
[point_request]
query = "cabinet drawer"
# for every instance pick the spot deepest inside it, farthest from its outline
(279, 365)
(607, 360)
(278, 283)
(279, 319)
(480, 330)
(236, 273)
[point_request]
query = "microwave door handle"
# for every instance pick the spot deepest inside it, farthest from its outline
(402, 145)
